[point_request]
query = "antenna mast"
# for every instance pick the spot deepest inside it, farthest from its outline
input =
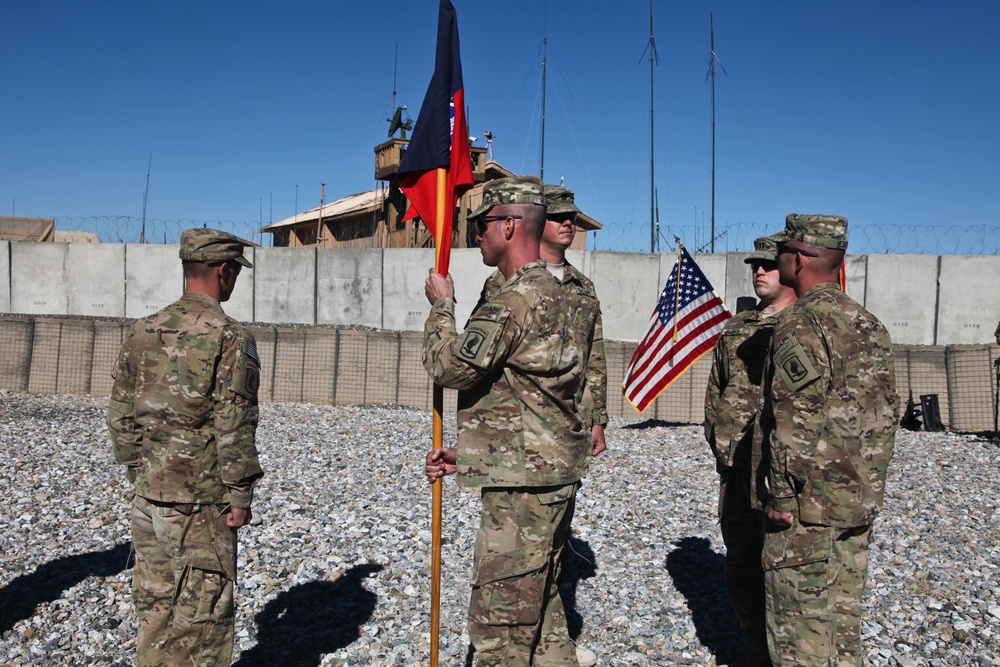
(545, 48)
(711, 75)
(145, 195)
(654, 59)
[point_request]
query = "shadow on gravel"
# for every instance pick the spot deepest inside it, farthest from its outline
(580, 563)
(699, 573)
(20, 598)
(309, 620)
(654, 423)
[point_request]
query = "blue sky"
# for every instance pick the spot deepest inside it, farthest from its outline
(881, 110)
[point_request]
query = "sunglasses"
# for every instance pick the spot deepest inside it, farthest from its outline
(483, 222)
(783, 248)
(765, 264)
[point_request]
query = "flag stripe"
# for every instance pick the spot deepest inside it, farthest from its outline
(440, 141)
(688, 302)
(703, 313)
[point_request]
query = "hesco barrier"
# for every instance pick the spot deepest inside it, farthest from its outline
(67, 355)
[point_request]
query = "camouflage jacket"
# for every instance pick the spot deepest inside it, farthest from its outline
(734, 393)
(183, 410)
(519, 371)
(579, 290)
(828, 424)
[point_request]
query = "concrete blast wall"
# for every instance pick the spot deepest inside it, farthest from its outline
(922, 299)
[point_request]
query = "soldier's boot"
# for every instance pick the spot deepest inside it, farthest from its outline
(585, 657)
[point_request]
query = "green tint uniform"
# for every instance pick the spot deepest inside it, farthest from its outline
(827, 434)
(519, 370)
(183, 416)
(732, 403)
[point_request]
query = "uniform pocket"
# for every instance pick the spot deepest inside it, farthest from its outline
(204, 594)
(509, 588)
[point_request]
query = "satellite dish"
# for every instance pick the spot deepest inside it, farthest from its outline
(397, 123)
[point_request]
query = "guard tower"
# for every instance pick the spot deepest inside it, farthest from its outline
(413, 233)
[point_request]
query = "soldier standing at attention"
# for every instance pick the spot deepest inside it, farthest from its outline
(828, 428)
(560, 228)
(519, 370)
(183, 417)
(732, 403)
(578, 289)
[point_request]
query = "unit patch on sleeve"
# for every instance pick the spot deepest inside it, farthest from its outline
(479, 340)
(792, 367)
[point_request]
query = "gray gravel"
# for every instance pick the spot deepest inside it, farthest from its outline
(335, 570)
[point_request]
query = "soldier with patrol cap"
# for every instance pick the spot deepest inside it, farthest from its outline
(827, 432)
(519, 371)
(557, 237)
(183, 417)
(732, 402)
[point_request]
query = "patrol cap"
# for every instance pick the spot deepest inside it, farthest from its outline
(825, 231)
(559, 200)
(511, 190)
(211, 245)
(765, 248)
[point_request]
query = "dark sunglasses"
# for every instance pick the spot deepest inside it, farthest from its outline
(766, 264)
(783, 248)
(483, 221)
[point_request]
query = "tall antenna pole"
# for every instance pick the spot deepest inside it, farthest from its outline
(711, 75)
(654, 58)
(545, 48)
(319, 220)
(145, 196)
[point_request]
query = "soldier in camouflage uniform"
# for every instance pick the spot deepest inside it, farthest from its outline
(732, 403)
(826, 436)
(183, 417)
(519, 370)
(578, 289)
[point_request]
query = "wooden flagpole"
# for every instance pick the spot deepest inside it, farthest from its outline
(437, 500)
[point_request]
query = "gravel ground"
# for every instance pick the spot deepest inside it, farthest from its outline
(335, 570)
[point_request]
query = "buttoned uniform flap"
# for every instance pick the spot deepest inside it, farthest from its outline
(796, 546)
(480, 340)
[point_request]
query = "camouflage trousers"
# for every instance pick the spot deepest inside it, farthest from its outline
(182, 584)
(742, 533)
(814, 579)
(516, 615)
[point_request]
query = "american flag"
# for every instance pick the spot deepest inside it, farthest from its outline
(684, 327)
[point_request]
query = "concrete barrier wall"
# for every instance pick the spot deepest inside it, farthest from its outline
(968, 300)
(922, 299)
(5, 271)
(96, 274)
(285, 285)
(153, 278)
(901, 290)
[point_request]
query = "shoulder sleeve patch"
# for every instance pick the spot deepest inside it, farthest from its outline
(248, 381)
(792, 367)
(478, 343)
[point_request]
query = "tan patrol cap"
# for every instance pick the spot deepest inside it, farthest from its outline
(559, 200)
(211, 245)
(511, 190)
(825, 231)
(765, 248)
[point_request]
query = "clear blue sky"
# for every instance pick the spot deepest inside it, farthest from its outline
(884, 111)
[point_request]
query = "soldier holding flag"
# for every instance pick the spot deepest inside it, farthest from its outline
(520, 374)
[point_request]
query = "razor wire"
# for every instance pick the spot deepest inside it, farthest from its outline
(618, 237)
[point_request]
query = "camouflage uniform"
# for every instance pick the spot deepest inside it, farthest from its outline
(519, 372)
(827, 432)
(579, 291)
(182, 417)
(732, 402)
